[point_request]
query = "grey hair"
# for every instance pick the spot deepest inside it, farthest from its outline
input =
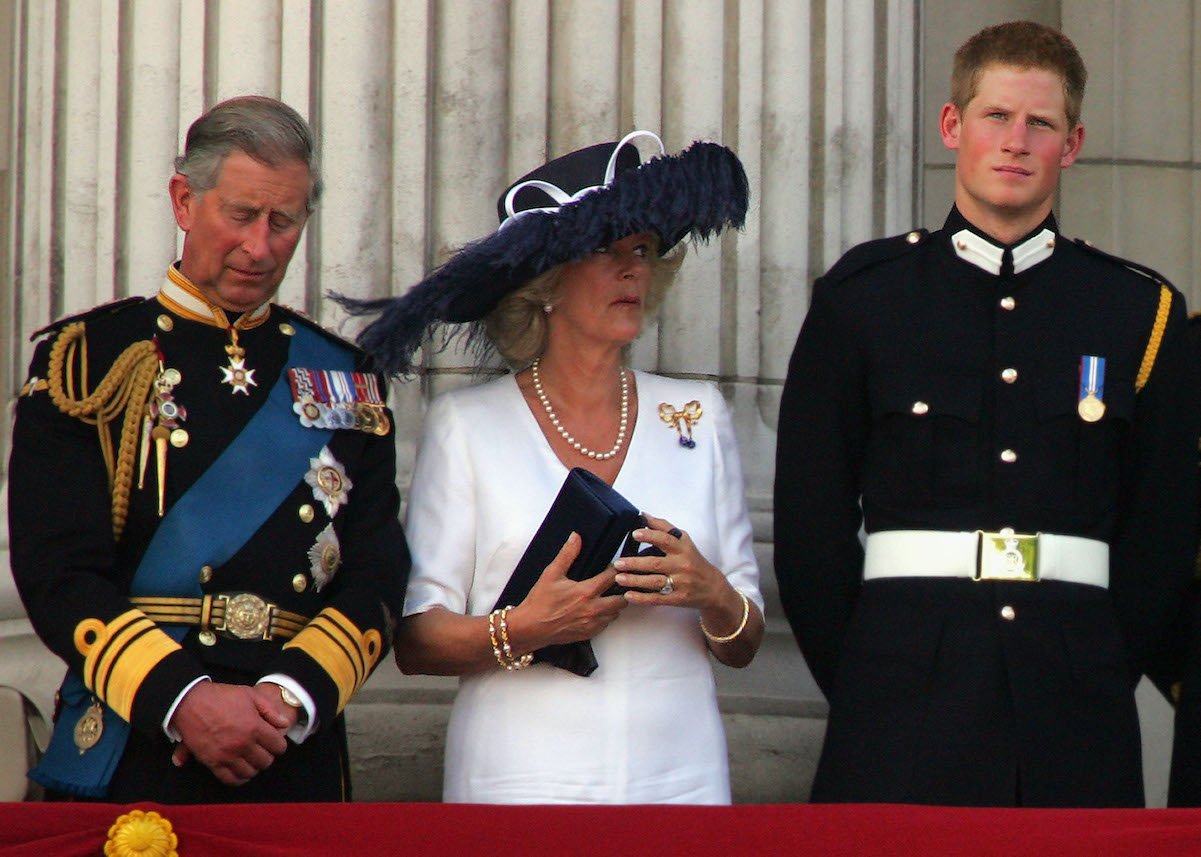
(267, 130)
(518, 328)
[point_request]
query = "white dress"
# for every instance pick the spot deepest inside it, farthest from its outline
(644, 727)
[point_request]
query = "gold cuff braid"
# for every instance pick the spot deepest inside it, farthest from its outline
(125, 388)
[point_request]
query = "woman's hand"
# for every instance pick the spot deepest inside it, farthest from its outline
(682, 577)
(561, 610)
(557, 610)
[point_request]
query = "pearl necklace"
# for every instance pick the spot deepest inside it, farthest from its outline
(575, 444)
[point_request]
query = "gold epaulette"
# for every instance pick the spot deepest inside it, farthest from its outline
(124, 390)
(1157, 329)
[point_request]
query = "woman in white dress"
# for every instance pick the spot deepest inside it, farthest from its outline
(560, 290)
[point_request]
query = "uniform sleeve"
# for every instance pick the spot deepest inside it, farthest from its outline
(441, 515)
(335, 653)
(737, 558)
(63, 557)
(821, 434)
(1153, 550)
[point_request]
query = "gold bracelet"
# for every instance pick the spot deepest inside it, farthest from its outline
(500, 658)
(746, 612)
(498, 635)
(513, 663)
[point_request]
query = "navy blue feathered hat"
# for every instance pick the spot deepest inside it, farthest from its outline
(558, 213)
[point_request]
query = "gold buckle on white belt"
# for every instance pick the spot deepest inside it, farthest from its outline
(1007, 555)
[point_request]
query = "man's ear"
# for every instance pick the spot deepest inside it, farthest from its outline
(949, 124)
(1072, 146)
(182, 201)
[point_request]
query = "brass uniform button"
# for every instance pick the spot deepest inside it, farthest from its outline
(1009, 456)
(165, 322)
(179, 438)
(1008, 613)
(306, 513)
(913, 237)
(207, 638)
(300, 583)
(1008, 303)
(287, 329)
(1009, 375)
(206, 573)
(920, 408)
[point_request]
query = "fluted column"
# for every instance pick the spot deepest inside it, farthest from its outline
(148, 141)
(694, 97)
(470, 73)
(350, 233)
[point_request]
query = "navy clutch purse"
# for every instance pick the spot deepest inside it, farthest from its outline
(587, 505)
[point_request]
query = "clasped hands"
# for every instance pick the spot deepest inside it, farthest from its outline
(236, 731)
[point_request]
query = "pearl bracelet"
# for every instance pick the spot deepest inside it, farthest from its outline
(498, 635)
(746, 612)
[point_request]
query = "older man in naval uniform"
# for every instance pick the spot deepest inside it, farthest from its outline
(202, 506)
(1009, 414)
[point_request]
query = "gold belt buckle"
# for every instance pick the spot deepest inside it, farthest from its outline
(1007, 555)
(247, 616)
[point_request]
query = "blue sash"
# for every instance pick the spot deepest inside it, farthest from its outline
(233, 498)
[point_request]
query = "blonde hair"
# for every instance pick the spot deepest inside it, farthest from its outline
(517, 326)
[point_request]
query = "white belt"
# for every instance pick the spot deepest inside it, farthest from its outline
(1004, 555)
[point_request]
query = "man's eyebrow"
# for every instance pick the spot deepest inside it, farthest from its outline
(1050, 116)
(250, 208)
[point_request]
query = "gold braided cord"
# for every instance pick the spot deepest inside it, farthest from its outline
(125, 388)
(1161, 322)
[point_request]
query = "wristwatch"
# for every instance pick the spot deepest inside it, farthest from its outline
(293, 701)
(290, 698)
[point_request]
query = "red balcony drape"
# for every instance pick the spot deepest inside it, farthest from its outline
(313, 830)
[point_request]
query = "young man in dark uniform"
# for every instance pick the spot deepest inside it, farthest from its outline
(1010, 415)
(202, 505)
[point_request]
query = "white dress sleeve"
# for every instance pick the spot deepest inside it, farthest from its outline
(440, 522)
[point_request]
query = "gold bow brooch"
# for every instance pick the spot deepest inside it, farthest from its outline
(682, 420)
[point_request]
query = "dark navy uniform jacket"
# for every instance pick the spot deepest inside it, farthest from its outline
(71, 573)
(935, 696)
(1179, 668)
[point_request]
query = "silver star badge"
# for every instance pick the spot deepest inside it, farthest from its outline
(330, 483)
(325, 556)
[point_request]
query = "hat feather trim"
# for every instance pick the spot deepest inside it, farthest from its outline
(695, 193)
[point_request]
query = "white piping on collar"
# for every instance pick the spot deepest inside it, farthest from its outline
(987, 256)
(1029, 253)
